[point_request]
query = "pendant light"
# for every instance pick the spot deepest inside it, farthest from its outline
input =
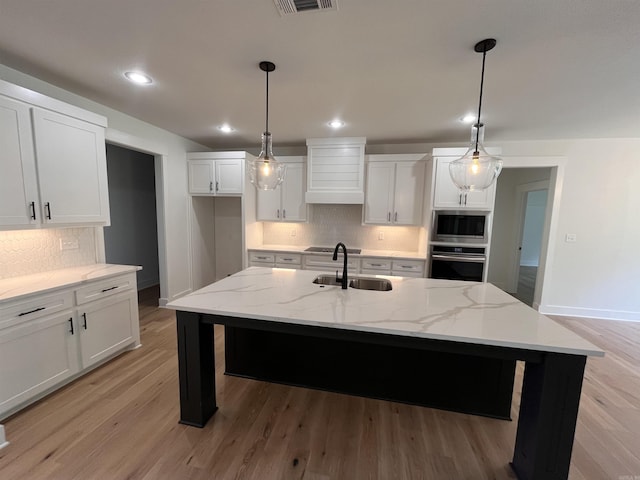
(476, 169)
(265, 172)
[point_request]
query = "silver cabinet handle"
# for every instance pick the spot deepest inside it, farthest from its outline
(376, 264)
(456, 258)
(261, 258)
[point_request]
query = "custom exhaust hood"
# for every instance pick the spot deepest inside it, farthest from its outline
(335, 170)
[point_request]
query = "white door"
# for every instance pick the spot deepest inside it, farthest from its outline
(229, 178)
(19, 204)
(268, 206)
(379, 193)
(35, 356)
(72, 169)
(106, 326)
(294, 207)
(201, 177)
(409, 188)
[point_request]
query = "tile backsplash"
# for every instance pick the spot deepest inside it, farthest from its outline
(24, 252)
(329, 224)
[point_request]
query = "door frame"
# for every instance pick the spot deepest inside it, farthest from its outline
(552, 213)
(522, 192)
(159, 153)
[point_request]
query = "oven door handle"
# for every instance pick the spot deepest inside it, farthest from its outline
(457, 258)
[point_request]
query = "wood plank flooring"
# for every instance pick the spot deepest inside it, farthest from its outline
(121, 422)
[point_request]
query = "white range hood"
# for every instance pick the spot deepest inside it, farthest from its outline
(335, 170)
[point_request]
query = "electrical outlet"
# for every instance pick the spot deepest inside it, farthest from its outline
(570, 238)
(293, 232)
(69, 244)
(380, 235)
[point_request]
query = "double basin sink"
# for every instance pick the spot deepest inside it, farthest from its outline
(360, 283)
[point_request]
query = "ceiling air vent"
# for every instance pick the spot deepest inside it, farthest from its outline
(288, 7)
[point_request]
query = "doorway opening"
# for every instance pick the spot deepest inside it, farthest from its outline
(132, 237)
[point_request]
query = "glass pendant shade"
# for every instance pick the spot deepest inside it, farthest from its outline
(476, 169)
(265, 172)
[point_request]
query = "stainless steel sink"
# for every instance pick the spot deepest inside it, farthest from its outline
(360, 283)
(327, 280)
(363, 283)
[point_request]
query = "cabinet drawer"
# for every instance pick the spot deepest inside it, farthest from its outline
(401, 267)
(375, 264)
(13, 313)
(262, 258)
(325, 262)
(105, 288)
(288, 259)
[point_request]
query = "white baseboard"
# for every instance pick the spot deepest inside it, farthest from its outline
(3, 439)
(589, 313)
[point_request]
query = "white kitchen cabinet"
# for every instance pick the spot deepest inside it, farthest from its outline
(261, 258)
(68, 154)
(408, 268)
(48, 339)
(19, 202)
(395, 190)
(34, 356)
(324, 262)
(447, 196)
(286, 203)
(72, 169)
(106, 326)
(211, 175)
(375, 266)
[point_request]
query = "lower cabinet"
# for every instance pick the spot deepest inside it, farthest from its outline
(35, 356)
(49, 339)
(106, 326)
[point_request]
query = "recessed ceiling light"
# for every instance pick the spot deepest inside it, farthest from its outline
(138, 78)
(226, 128)
(336, 124)
(468, 118)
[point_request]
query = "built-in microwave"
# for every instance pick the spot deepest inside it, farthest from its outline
(460, 226)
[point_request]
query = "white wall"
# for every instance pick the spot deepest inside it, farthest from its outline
(177, 275)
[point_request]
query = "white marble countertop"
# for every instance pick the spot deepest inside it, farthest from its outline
(364, 252)
(17, 287)
(470, 312)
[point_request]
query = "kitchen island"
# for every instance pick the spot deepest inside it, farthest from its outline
(279, 326)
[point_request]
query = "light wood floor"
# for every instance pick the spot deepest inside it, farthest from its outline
(121, 422)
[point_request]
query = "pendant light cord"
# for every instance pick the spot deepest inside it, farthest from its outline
(267, 109)
(484, 56)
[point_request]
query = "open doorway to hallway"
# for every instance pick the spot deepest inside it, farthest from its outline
(519, 222)
(132, 238)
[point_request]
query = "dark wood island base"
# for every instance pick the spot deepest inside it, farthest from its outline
(466, 377)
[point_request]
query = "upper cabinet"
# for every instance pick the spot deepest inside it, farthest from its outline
(53, 162)
(394, 189)
(216, 173)
(445, 193)
(335, 170)
(286, 203)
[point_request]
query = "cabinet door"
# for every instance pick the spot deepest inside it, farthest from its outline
(378, 207)
(72, 169)
(19, 204)
(229, 178)
(35, 356)
(201, 177)
(106, 326)
(409, 193)
(447, 195)
(268, 206)
(294, 207)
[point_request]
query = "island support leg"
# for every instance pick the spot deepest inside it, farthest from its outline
(547, 419)
(196, 369)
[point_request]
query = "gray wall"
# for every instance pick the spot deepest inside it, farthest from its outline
(132, 238)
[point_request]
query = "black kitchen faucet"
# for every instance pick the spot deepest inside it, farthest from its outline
(345, 283)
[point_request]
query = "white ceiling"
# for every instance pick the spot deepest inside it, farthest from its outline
(396, 71)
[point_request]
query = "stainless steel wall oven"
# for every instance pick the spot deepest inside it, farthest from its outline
(457, 263)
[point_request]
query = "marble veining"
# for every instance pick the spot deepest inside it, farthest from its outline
(439, 309)
(17, 287)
